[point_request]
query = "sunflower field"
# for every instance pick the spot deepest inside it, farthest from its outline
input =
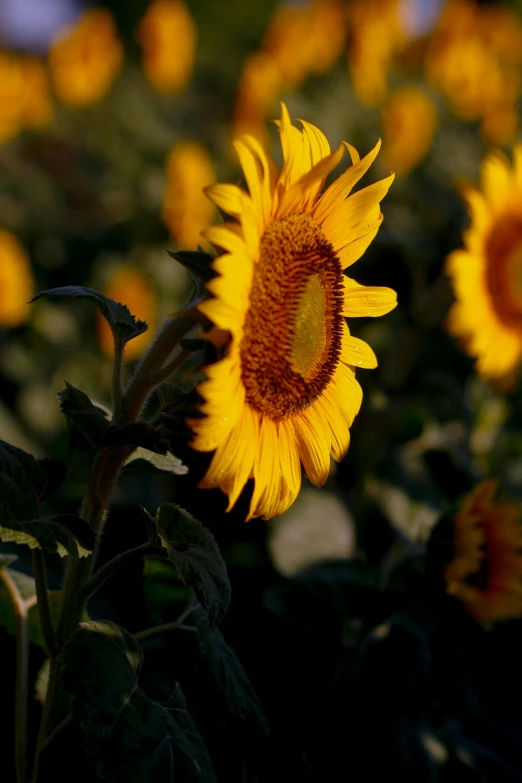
(261, 391)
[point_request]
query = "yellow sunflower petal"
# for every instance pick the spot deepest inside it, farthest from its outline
(367, 300)
(229, 198)
(319, 146)
(336, 420)
(296, 155)
(363, 236)
(302, 194)
(249, 437)
(354, 155)
(268, 175)
(342, 186)
(267, 477)
(345, 391)
(357, 353)
(256, 181)
(313, 445)
(359, 207)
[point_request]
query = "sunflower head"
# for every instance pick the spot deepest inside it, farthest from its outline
(486, 570)
(487, 273)
(285, 392)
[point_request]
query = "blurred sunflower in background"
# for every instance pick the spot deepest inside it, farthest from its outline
(486, 570)
(487, 273)
(186, 211)
(85, 59)
(286, 391)
(168, 37)
(16, 281)
(409, 121)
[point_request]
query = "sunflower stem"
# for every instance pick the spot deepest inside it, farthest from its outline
(152, 369)
(116, 376)
(42, 602)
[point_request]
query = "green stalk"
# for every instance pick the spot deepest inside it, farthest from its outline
(42, 602)
(116, 377)
(22, 675)
(104, 474)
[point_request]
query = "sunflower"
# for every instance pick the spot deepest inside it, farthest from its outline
(486, 570)
(285, 391)
(487, 274)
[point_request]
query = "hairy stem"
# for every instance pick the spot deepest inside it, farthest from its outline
(42, 602)
(22, 675)
(149, 372)
(116, 377)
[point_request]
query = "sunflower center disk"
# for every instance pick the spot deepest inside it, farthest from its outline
(504, 269)
(293, 327)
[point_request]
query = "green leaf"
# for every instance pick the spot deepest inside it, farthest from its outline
(124, 325)
(196, 262)
(130, 737)
(230, 677)
(167, 462)
(193, 550)
(24, 482)
(60, 534)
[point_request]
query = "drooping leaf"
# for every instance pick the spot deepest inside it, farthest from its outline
(230, 677)
(130, 737)
(124, 325)
(167, 462)
(193, 550)
(60, 534)
(23, 483)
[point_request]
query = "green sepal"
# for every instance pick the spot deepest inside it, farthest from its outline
(196, 262)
